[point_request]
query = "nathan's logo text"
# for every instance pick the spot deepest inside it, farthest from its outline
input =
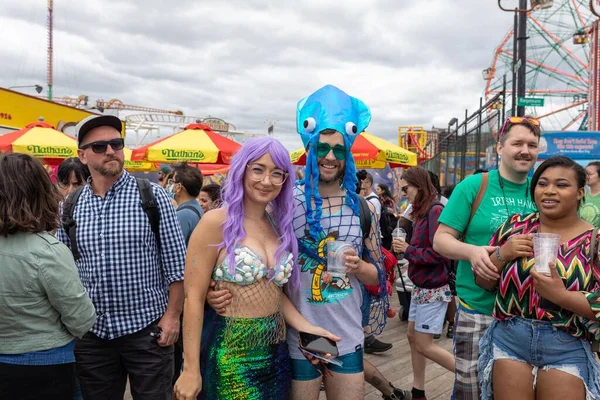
(395, 156)
(49, 151)
(185, 155)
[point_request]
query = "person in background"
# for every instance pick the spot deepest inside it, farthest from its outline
(210, 197)
(163, 176)
(385, 196)
(507, 193)
(538, 346)
(71, 175)
(590, 211)
(428, 270)
(44, 305)
(366, 190)
(388, 220)
(435, 180)
(184, 187)
(447, 191)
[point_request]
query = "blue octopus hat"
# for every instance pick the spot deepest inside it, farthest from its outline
(329, 108)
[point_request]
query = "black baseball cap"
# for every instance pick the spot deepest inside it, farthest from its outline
(96, 121)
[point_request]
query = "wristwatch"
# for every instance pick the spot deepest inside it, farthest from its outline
(498, 256)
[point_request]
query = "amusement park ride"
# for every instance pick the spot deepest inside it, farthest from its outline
(561, 72)
(561, 65)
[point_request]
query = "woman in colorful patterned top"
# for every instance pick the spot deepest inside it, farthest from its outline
(538, 346)
(252, 254)
(429, 272)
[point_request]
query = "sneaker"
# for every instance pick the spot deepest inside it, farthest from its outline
(450, 333)
(399, 394)
(377, 346)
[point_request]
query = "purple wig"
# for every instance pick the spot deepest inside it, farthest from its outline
(282, 206)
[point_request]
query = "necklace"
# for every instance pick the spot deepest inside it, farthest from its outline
(504, 195)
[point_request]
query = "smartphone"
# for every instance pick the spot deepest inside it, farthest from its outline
(317, 344)
(331, 360)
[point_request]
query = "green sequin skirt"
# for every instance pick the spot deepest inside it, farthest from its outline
(246, 358)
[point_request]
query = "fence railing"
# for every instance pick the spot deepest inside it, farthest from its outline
(471, 145)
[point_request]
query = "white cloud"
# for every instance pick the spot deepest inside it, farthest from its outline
(412, 62)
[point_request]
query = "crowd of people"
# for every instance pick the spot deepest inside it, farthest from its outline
(189, 291)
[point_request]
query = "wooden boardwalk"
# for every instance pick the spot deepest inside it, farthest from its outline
(395, 364)
(396, 367)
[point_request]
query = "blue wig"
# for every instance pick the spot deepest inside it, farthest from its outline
(329, 108)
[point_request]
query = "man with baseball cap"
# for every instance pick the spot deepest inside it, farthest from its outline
(132, 271)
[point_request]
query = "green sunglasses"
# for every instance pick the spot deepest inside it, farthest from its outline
(339, 151)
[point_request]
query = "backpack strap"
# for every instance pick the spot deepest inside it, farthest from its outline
(68, 223)
(365, 217)
(150, 207)
(191, 208)
(478, 199)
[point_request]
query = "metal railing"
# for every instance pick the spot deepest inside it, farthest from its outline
(471, 145)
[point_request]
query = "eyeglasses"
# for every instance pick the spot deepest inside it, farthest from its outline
(102, 145)
(518, 120)
(339, 151)
(257, 173)
(404, 188)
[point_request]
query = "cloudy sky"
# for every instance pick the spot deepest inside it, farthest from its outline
(248, 62)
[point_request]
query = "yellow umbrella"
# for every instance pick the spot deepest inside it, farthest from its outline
(369, 151)
(39, 139)
(137, 166)
(196, 144)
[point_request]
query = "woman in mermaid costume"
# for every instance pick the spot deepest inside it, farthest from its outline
(252, 253)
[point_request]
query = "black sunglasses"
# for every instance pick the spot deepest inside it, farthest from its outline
(102, 145)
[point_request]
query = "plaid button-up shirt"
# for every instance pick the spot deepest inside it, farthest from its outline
(120, 266)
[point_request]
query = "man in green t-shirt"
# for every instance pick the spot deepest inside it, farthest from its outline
(507, 193)
(591, 208)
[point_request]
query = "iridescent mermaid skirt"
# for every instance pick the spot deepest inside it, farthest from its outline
(246, 358)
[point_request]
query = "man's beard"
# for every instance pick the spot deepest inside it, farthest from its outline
(109, 172)
(337, 178)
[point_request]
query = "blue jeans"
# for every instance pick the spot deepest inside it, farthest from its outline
(539, 344)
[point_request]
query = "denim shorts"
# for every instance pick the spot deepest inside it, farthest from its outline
(428, 317)
(541, 345)
(303, 370)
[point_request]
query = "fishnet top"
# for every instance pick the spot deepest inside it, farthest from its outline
(334, 306)
(256, 293)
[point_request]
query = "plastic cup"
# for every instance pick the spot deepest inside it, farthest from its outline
(545, 250)
(336, 252)
(399, 233)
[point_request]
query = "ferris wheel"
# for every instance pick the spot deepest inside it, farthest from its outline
(557, 67)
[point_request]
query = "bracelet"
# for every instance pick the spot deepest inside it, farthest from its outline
(498, 256)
